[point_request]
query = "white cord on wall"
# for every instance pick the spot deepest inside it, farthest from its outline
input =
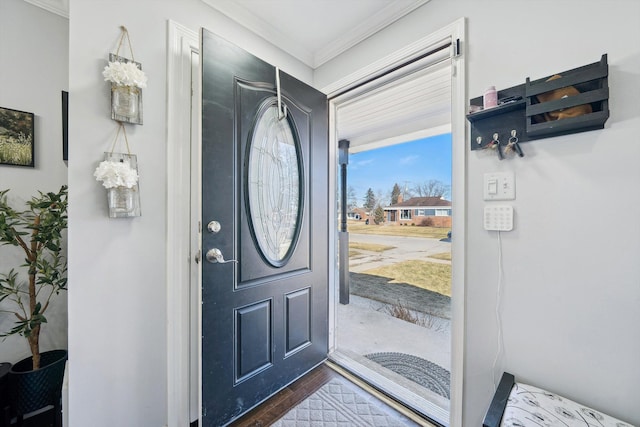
(498, 317)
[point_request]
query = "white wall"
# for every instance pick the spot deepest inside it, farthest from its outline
(117, 302)
(33, 72)
(571, 287)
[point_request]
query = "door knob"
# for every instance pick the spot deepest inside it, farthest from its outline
(214, 227)
(214, 256)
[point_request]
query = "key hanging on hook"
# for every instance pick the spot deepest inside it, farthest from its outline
(498, 146)
(491, 145)
(514, 145)
(282, 109)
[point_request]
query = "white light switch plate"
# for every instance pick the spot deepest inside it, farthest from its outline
(499, 186)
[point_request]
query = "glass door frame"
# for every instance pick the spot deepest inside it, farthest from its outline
(454, 33)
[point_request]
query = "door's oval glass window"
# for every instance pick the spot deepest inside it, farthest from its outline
(274, 184)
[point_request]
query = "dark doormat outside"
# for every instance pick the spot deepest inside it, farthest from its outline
(421, 371)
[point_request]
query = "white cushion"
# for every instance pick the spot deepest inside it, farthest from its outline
(531, 406)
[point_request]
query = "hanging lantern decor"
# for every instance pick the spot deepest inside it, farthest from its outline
(119, 175)
(127, 81)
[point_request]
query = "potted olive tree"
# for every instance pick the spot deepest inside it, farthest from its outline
(27, 290)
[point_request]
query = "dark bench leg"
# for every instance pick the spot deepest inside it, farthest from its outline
(57, 412)
(5, 417)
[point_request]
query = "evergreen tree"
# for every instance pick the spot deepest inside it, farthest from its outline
(378, 215)
(369, 200)
(395, 193)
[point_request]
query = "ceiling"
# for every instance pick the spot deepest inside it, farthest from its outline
(315, 31)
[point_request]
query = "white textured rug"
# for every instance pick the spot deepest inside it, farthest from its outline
(342, 404)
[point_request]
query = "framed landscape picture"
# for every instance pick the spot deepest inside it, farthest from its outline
(16, 138)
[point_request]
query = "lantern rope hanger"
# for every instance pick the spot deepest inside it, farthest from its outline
(126, 140)
(125, 33)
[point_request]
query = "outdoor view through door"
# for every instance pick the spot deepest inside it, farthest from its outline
(393, 321)
(397, 321)
(265, 226)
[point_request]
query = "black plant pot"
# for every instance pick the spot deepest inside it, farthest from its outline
(5, 415)
(31, 390)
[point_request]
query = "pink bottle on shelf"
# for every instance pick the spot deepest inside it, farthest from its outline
(490, 98)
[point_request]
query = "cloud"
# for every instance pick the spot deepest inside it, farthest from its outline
(361, 163)
(409, 159)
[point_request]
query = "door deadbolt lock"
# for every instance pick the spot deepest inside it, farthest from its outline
(214, 256)
(214, 227)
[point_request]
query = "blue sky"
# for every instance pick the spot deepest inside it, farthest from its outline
(407, 164)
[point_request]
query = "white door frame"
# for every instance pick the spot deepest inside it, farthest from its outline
(454, 32)
(182, 240)
(182, 43)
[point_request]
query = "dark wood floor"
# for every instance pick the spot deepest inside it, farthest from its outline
(279, 404)
(264, 415)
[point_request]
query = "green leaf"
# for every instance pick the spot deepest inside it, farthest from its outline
(47, 263)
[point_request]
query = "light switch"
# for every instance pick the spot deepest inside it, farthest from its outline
(493, 186)
(499, 186)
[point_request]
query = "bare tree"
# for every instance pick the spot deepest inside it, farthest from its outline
(352, 200)
(381, 199)
(432, 188)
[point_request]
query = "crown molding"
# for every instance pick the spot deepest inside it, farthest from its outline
(384, 17)
(262, 28)
(59, 7)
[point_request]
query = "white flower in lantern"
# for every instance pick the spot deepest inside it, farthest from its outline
(127, 80)
(125, 74)
(116, 174)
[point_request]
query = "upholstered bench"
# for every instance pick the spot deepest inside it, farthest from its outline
(521, 405)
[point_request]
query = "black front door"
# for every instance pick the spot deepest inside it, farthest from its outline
(265, 230)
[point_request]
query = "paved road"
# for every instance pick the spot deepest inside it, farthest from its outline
(406, 248)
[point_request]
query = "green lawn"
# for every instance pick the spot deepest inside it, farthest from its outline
(433, 276)
(446, 256)
(358, 227)
(369, 247)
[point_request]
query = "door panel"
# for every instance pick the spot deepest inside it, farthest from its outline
(265, 181)
(253, 339)
(298, 315)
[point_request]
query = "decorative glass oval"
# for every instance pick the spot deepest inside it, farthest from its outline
(274, 183)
